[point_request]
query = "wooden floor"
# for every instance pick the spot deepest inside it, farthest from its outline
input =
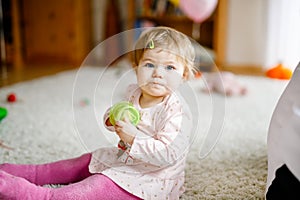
(10, 75)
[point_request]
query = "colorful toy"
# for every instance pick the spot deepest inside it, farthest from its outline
(11, 97)
(279, 72)
(84, 102)
(175, 2)
(3, 113)
(124, 110)
(197, 74)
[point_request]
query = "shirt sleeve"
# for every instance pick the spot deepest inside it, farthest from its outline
(168, 144)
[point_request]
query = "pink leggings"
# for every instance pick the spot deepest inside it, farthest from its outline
(25, 182)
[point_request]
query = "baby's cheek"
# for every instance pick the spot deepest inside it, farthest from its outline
(143, 75)
(175, 81)
(142, 80)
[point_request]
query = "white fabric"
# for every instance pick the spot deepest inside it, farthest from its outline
(284, 131)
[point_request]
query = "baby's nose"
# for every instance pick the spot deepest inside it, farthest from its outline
(158, 72)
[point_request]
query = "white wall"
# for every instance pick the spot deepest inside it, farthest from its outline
(263, 33)
(246, 38)
(283, 41)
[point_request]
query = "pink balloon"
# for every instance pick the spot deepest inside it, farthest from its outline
(198, 10)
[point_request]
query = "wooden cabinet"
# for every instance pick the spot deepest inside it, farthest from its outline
(52, 31)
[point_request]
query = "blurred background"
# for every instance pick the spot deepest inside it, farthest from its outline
(44, 37)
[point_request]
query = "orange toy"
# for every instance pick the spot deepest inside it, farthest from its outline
(279, 72)
(197, 74)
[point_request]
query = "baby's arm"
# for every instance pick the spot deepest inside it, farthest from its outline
(168, 144)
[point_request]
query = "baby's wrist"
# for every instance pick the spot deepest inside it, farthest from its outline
(124, 145)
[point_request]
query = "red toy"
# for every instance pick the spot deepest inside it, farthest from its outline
(11, 98)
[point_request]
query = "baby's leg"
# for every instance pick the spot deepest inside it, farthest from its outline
(16, 188)
(97, 186)
(60, 172)
(94, 187)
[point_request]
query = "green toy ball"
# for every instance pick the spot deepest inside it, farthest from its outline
(124, 110)
(3, 113)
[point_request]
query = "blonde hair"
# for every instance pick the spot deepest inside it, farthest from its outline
(167, 39)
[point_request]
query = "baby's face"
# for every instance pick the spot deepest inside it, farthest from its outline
(159, 72)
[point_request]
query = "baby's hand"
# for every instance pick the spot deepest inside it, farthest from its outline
(126, 131)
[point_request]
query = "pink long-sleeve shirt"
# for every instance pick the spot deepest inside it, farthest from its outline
(153, 167)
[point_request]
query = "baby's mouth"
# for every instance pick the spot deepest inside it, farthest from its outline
(156, 84)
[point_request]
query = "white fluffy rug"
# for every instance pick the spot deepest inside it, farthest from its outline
(47, 123)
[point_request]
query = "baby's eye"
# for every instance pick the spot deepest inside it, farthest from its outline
(149, 65)
(170, 67)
